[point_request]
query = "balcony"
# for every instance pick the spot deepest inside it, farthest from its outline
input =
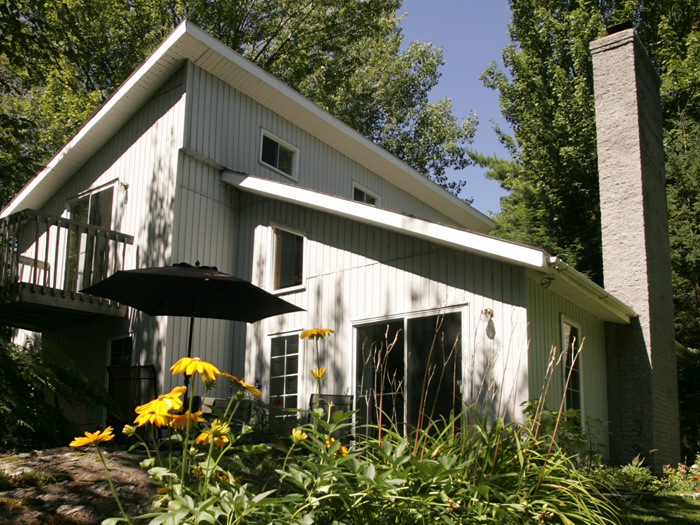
(45, 260)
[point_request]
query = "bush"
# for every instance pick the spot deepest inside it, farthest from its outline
(634, 477)
(31, 381)
(448, 472)
(681, 480)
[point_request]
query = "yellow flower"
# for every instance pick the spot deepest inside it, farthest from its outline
(128, 430)
(92, 438)
(318, 372)
(164, 403)
(180, 420)
(241, 383)
(298, 435)
(190, 365)
(344, 450)
(316, 333)
(218, 432)
(329, 442)
(158, 419)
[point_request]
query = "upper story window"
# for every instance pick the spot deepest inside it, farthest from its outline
(362, 194)
(288, 257)
(278, 154)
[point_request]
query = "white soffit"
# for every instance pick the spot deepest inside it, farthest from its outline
(188, 42)
(365, 213)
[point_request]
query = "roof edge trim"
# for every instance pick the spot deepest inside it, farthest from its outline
(368, 214)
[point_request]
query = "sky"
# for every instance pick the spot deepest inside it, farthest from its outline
(472, 33)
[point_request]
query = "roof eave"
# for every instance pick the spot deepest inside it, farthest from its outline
(188, 42)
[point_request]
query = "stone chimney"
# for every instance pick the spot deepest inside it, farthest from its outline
(641, 359)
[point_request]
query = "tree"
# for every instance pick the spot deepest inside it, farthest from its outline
(343, 54)
(546, 95)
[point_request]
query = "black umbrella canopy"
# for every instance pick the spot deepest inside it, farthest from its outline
(191, 291)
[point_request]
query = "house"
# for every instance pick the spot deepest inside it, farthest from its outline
(203, 156)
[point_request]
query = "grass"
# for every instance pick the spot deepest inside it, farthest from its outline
(676, 510)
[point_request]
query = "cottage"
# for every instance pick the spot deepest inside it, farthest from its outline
(203, 156)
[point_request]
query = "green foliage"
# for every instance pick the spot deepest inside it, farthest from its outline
(496, 472)
(62, 59)
(634, 477)
(579, 442)
(30, 479)
(683, 479)
(546, 95)
(32, 381)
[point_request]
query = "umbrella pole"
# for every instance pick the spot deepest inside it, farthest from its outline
(189, 354)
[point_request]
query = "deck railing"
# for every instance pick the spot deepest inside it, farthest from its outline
(47, 252)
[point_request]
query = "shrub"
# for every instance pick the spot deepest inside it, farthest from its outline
(634, 477)
(449, 472)
(682, 479)
(31, 381)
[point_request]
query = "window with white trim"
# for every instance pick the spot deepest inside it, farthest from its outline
(284, 372)
(362, 194)
(288, 260)
(571, 363)
(278, 154)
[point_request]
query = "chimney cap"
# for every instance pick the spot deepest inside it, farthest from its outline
(616, 28)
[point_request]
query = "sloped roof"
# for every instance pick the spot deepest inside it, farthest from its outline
(188, 42)
(539, 265)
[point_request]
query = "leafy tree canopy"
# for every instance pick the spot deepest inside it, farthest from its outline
(546, 95)
(60, 59)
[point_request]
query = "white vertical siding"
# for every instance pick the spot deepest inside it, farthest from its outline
(226, 127)
(204, 230)
(143, 157)
(357, 273)
(545, 311)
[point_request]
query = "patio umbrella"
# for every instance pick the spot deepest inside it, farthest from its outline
(191, 291)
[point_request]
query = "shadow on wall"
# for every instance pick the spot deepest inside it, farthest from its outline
(493, 370)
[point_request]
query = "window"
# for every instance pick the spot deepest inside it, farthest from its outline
(402, 377)
(364, 195)
(288, 271)
(571, 364)
(277, 154)
(284, 372)
(121, 351)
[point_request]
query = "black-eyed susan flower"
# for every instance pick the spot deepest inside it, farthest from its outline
(180, 420)
(315, 333)
(218, 432)
(241, 383)
(156, 418)
(164, 403)
(128, 430)
(92, 438)
(318, 372)
(299, 435)
(192, 365)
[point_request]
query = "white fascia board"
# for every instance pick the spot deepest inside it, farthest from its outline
(368, 214)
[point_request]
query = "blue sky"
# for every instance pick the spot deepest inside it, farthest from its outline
(472, 33)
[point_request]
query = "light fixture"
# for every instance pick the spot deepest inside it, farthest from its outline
(486, 315)
(546, 282)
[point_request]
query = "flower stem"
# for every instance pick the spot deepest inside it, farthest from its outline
(111, 485)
